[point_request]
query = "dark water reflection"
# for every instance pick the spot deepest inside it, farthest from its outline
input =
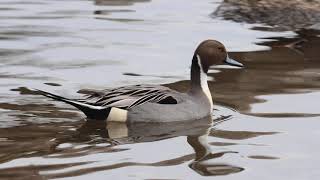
(275, 14)
(118, 3)
(84, 138)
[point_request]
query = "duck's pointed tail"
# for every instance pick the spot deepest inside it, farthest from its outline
(91, 111)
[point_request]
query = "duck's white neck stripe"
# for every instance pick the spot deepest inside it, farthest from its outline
(204, 82)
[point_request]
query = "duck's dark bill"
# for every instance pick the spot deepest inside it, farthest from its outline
(233, 62)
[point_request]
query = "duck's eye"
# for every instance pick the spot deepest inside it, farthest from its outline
(221, 49)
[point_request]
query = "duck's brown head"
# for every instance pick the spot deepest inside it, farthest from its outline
(212, 52)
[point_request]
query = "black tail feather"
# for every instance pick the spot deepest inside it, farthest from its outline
(91, 111)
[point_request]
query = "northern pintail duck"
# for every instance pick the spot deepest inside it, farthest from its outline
(150, 103)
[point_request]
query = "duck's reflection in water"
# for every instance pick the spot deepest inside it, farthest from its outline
(85, 139)
(147, 132)
(197, 132)
(204, 161)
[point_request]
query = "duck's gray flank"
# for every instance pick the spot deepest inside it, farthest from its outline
(152, 103)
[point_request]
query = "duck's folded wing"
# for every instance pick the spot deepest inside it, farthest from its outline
(128, 97)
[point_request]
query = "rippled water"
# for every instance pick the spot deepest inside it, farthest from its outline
(266, 118)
